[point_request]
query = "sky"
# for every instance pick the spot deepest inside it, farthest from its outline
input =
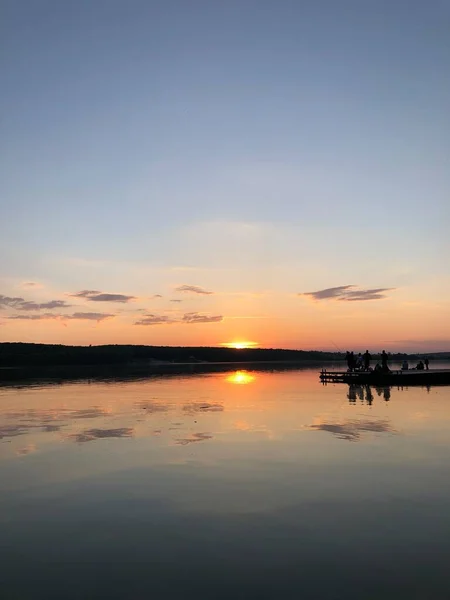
(207, 172)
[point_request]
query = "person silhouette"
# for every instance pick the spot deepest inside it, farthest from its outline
(348, 358)
(359, 361)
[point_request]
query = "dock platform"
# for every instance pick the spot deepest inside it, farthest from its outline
(395, 377)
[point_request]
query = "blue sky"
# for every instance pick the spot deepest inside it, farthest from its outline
(258, 148)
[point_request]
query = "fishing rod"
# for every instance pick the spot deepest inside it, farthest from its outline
(337, 347)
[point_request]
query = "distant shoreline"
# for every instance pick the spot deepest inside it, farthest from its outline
(130, 371)
(23, 361)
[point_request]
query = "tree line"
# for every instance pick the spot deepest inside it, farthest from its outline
(18, 354)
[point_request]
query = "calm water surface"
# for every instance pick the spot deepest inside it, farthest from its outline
(227, 485)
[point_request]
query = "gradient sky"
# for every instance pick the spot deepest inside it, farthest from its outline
(271, 153)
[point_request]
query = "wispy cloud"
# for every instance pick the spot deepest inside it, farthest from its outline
(89, 316)
(348, 293)
(199, 318)
(31, 284)
(10, 302)
(155, 320)
(194, 289)
(43, 305)
(373, 294)
(97, 296)
(19, 303)
(41, 317)
(86, 316)
(187, 318)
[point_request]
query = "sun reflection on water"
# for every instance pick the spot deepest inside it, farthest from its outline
(241, 377)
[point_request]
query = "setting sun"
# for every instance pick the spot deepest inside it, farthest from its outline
(240, 345)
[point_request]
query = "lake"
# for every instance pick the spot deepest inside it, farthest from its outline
(246, 484)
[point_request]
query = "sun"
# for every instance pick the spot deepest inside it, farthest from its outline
(240, 345)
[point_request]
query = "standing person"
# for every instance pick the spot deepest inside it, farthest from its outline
(359, 362)
(426, 362)
(348, 358)
(367, 358)
(384, 359)
(352, 361)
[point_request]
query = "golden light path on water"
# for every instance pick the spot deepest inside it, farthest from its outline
(241, 377)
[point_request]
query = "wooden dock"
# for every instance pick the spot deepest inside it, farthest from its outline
(395, 377)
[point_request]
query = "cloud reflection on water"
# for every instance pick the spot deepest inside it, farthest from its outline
(202, 407)
(12, 430)
(195, 437)
(51, 420)
(29, 449)
(89, 435)
(276, 405)
(353, 430)
(153, 407)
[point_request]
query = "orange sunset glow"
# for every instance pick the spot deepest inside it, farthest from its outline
(240, 345)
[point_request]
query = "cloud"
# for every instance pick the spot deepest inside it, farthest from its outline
(194, 289)
(31, 284)
(89, 435)
(333, 292)
(188, 318)
(43, 305)
(155, 320)
(10, 302)
(85, 293)
(359, 295)
(352, 431)
(348, 293)
(22, 304)
(97, 296)
(198, 318)
(89, 316)
(176, 300)
(86, 316)
(42, 317)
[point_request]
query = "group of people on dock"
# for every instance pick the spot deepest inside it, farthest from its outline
(362, 362)
(421, 365)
